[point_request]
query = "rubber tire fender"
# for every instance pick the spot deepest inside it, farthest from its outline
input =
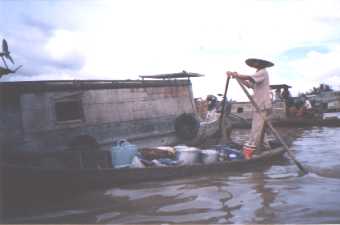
(186, 126)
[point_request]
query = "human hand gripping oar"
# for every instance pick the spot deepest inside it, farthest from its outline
(276, 134)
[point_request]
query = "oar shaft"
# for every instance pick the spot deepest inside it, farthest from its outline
(276, 134)
(223, 102)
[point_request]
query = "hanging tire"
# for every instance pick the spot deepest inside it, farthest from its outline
(186, 126)
(83, 143)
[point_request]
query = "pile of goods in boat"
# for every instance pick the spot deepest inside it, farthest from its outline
(158, 153)
(125, 154)
(157, 156)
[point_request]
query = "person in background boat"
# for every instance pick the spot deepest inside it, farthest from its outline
(212, 102)
(286, 94)
(278, 96)
(201, 107)
(287, 98)
(212, 108)
(308, 105)
(306, 109)
(259, 82)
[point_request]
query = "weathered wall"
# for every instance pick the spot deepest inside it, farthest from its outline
(108, 114)
(279, 110)
(242, 109)
(10, 120)
(333, 105)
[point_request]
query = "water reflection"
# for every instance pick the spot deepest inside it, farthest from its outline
(264, 214)
(201, 200)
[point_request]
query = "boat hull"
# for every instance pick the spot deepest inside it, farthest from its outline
(22, 184)
(293, 123)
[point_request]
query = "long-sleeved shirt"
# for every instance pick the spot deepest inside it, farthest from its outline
(261, 89)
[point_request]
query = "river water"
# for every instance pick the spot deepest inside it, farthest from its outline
(277, 194)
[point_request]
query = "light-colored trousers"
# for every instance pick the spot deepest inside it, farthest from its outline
(258, 127)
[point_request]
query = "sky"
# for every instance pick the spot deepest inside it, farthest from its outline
(122, 39)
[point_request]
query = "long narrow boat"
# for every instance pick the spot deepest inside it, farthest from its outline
(20, 183)
(292, 122)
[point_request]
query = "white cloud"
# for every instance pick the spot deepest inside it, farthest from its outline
(43, 76)
(64, 43)
(317, 68)
(124, 39)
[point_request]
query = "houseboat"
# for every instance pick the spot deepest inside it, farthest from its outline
(61, 115)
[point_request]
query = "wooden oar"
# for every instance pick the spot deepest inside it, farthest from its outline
(221, 121)
(276, 134)
(224, 100)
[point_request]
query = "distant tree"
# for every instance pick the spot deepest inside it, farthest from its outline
(318, 90)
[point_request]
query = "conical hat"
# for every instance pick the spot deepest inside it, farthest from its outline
(256, 63)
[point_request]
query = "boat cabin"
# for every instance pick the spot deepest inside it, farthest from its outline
(56, 115)
(244, 110)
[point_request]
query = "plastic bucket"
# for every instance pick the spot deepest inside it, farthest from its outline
(248, 152)
(209, 156)
(122, 153)
(187, 155)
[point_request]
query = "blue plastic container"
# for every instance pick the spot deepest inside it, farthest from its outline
(122, 153)
(228, 153)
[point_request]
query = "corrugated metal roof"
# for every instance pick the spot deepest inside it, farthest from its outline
(69, 85)
(276, 86)
(183, 74)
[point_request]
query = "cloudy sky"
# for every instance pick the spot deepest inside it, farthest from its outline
(122, 39)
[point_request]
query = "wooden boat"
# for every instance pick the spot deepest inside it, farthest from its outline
(240, 115)
(292, 122)
(20, 183)
(305, 122)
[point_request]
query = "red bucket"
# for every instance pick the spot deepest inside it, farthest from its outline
(248, 152)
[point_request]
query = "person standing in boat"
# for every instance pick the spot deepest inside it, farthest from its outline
(259, 82)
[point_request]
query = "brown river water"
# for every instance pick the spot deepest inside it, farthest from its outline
(276, 194)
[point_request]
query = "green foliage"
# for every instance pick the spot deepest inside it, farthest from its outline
(318, 90)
